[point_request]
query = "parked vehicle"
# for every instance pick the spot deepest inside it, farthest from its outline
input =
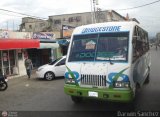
(3, 82)
(54, 69)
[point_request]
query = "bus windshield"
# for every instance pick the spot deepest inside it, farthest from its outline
(100, 47)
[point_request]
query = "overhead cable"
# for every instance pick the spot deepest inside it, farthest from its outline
(139, 6)
(23, 14)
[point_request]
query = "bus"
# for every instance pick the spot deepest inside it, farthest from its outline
(107, 61)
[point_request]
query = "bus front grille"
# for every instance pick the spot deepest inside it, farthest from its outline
(94, 80)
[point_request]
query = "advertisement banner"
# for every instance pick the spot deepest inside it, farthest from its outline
(67, 31)
(43, 35)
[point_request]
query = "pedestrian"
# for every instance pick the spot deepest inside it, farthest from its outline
(29, 66)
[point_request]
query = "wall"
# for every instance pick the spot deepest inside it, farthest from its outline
(15, 35)
(20, 64)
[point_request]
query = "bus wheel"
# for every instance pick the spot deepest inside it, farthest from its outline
(137, 89)
(76, 99)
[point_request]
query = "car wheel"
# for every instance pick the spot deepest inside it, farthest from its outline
(49, 76)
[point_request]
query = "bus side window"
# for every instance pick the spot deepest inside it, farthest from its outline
(136, 43)
(134, 49)
(140, 43)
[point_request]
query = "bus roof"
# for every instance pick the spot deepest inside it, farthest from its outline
(124, 26)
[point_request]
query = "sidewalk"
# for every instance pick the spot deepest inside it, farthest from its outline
(23, 76)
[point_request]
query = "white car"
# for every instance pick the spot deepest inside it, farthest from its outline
(54, 69)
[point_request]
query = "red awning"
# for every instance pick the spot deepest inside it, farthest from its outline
(6, 44)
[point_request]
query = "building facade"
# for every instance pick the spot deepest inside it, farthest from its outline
(158, 38)
(55, 23)
(33, 25)
(15, 46)
(78, 19)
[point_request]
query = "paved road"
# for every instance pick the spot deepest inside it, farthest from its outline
(41, 95)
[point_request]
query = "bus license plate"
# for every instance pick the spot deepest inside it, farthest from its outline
(92, 94)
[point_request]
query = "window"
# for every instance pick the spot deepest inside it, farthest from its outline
(57, 21)
(140, 43)
(53, 62)
(71, 19)
(62, 62)
(30, 26)
(75, 19)
(78, 18)
(113, 46)
(83, 47)
(42, 24)
(100, 47)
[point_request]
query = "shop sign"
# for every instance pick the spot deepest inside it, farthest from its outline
(43, 35)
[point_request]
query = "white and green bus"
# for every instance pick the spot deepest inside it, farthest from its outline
(107, 61)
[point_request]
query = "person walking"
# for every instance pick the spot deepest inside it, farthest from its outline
(29, 66)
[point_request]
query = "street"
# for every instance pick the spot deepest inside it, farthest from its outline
(41, 95)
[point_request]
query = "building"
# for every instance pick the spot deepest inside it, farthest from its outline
(36, 25)
(33, 25)
(158, 38)
(57, 23)
(15, 46)
(78, 19)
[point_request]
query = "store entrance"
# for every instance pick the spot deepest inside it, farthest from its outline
(39, 56)
(7, 62)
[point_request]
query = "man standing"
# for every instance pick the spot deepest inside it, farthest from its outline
(29, 66)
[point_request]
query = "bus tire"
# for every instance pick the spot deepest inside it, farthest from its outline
(137, 90)
(147, 78)
(76, 99)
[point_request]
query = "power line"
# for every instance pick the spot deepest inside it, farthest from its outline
(10, 15)
(23, 14)
(140, 6)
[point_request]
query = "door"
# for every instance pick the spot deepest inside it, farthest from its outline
(60, 67)
(5, 60)
(8, 62)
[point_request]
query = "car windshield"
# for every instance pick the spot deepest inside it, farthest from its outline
(100, 47)
(54, 61)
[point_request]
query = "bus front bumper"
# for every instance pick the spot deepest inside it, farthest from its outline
(103, 94)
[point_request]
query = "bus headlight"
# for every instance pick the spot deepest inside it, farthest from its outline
(70, 80)
(120, 84)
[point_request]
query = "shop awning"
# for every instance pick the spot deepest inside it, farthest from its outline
(49, 45)
(6, 44)
(63, 42)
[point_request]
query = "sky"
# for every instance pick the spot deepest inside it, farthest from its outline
(148, 16)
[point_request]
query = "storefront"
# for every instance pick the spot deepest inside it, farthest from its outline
(47, 52)
(8, 62)
(12, 55)
(15, 46)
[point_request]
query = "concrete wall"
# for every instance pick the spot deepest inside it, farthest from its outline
(20, 64)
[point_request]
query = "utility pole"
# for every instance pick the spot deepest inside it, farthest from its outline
(94, 7)
(93, 12)
(7, 25)
(13, 25)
